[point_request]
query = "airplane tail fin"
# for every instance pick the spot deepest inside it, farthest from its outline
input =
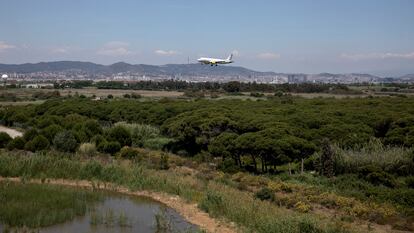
(230, 57)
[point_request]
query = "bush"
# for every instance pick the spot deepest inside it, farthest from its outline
(91, 170)
(97, 139)
(87, 149)
(164, 162)
(157, 143)
(211, 201)
(302, 207)
(4, 139)
(383, 178)
(229, 166)
(135, 96)
(120, 134)
(65, 141)
(111, 147)
(128, 152)
(410, 182)
(50, 131)
(308, 227)
(144, 135)
(375, 175)
(265, 194)
(256, 94)
(16, 143)
(30, 134)
(394, 160)
(38, 143)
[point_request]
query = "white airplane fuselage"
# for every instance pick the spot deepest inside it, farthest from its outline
(215, 61)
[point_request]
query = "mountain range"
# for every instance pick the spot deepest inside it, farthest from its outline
(171, 70)
(122, 67)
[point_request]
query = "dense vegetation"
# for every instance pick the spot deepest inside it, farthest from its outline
(361, 149)
(245, 134)
(234, 86)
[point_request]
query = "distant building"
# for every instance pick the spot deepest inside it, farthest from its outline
(39, 85)
(297, 78)
(4, 76)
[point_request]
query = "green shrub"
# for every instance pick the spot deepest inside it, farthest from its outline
(97, 139)
(101, 146)
(265, 194)
(156, 143)
(16, 143)
(87, 149)
(308, 227)
(65, 141)
(229, 166)
(111, 147)
(91, 170)
(4, 139)
(383, 178)
(128, 152)
(142, 135)
(119, 134)
(50, 131)
(410, 182)
(256, 94)
(394, 160)
(164, 165)
(30, 134)
(211, 201)
(38, 143)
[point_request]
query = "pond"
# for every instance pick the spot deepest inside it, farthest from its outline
(115, 213)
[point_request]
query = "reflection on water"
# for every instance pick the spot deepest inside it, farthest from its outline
(120, 213)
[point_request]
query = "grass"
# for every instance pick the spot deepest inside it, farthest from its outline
(218, 199)
(374, 153)
(34, 205)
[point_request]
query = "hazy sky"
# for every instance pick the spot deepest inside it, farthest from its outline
(312, 36)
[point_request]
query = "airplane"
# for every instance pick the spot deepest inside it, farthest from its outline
(215, 61)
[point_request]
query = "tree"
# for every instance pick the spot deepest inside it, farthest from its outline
(38, 143)
(246, 145)
(232, 86)
(65, 141)
(224, 146)
(4, 139)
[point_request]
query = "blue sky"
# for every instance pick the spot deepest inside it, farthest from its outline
(311, 36)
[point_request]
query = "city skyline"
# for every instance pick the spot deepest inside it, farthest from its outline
(303, 37)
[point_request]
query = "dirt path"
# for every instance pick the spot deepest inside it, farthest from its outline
(12, 132)
(188, 210)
